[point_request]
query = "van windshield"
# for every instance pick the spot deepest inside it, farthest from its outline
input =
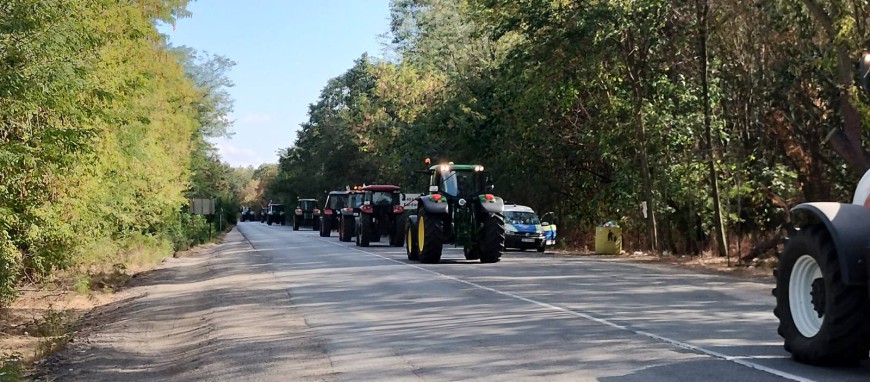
(517, 217)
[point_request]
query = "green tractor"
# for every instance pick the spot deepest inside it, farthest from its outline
(458, 211)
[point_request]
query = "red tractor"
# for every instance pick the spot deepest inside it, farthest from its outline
(380, 214)
(822, 282)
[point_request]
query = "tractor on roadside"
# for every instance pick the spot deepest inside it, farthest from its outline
(335, 201)
(275, 214)
(306, 214)
(459, 210)
(823, 282)
(380, 214)
(347, 215)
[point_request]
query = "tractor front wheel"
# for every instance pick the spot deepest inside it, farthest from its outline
(491, 239)
(822, 320)
(430, 236)
(295, 224)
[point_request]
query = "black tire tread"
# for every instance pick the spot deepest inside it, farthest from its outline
(491, 240)
(843, 338)
(433, 239)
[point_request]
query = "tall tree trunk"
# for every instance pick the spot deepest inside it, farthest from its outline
(847, 140)
(652, 230)
(703, 10)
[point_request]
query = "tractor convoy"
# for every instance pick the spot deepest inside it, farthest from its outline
(822, 280)
(459, 209)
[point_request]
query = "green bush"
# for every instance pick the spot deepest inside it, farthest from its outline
(10, 267)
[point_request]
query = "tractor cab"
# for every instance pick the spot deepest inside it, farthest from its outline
(457, 181)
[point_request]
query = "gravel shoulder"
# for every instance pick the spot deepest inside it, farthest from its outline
(219, 315)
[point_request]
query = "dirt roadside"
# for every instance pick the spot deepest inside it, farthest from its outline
(219, 315)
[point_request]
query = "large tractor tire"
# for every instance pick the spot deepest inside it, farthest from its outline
(397, 234)
(269, 220)
(364, 235)
(325, 229)
(295, 224)
(823, 321)
(411, 242)
(430, 236)
(345, 228)
(491, 239)
(315, 224)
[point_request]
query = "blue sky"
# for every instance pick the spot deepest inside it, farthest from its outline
(285, 52)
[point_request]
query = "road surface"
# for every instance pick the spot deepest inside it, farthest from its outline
(277, 304)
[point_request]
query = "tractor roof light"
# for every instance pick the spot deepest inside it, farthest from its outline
(445, 168)
(478, 168)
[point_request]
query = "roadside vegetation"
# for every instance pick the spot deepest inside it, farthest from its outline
(694, 125)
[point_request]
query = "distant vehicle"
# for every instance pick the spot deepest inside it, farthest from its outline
(380, 214)
(306, 214)
(335, 201)
(247, 214)
(523, 229)
(348, 214)
(262, 214)
(275, 214)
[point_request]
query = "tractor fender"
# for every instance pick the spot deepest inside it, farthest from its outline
(494, 206)
(432, 206)
(849, 227)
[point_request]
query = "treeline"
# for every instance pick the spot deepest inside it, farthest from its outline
(103, 131)
(652, 113)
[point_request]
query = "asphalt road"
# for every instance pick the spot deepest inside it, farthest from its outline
(377, 316)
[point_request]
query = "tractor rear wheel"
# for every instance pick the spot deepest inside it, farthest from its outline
(822, 320)
(491, 239)
(325, 229)
(397, 233)
(430, 236)
(346, 228)
(471, 252)
(411, 241)
(365, 227)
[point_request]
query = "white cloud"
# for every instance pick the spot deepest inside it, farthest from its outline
(238, 156)
(255, 119)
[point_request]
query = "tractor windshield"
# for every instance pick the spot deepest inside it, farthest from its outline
(355, 200)
(307, 205)
(518, 217)
(456, 183)
(336, 201)
(384, 198)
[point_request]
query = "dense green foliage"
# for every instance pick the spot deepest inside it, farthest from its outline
(102, 134)
(591, 108)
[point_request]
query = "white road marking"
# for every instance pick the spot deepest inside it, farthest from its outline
(734, 359)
